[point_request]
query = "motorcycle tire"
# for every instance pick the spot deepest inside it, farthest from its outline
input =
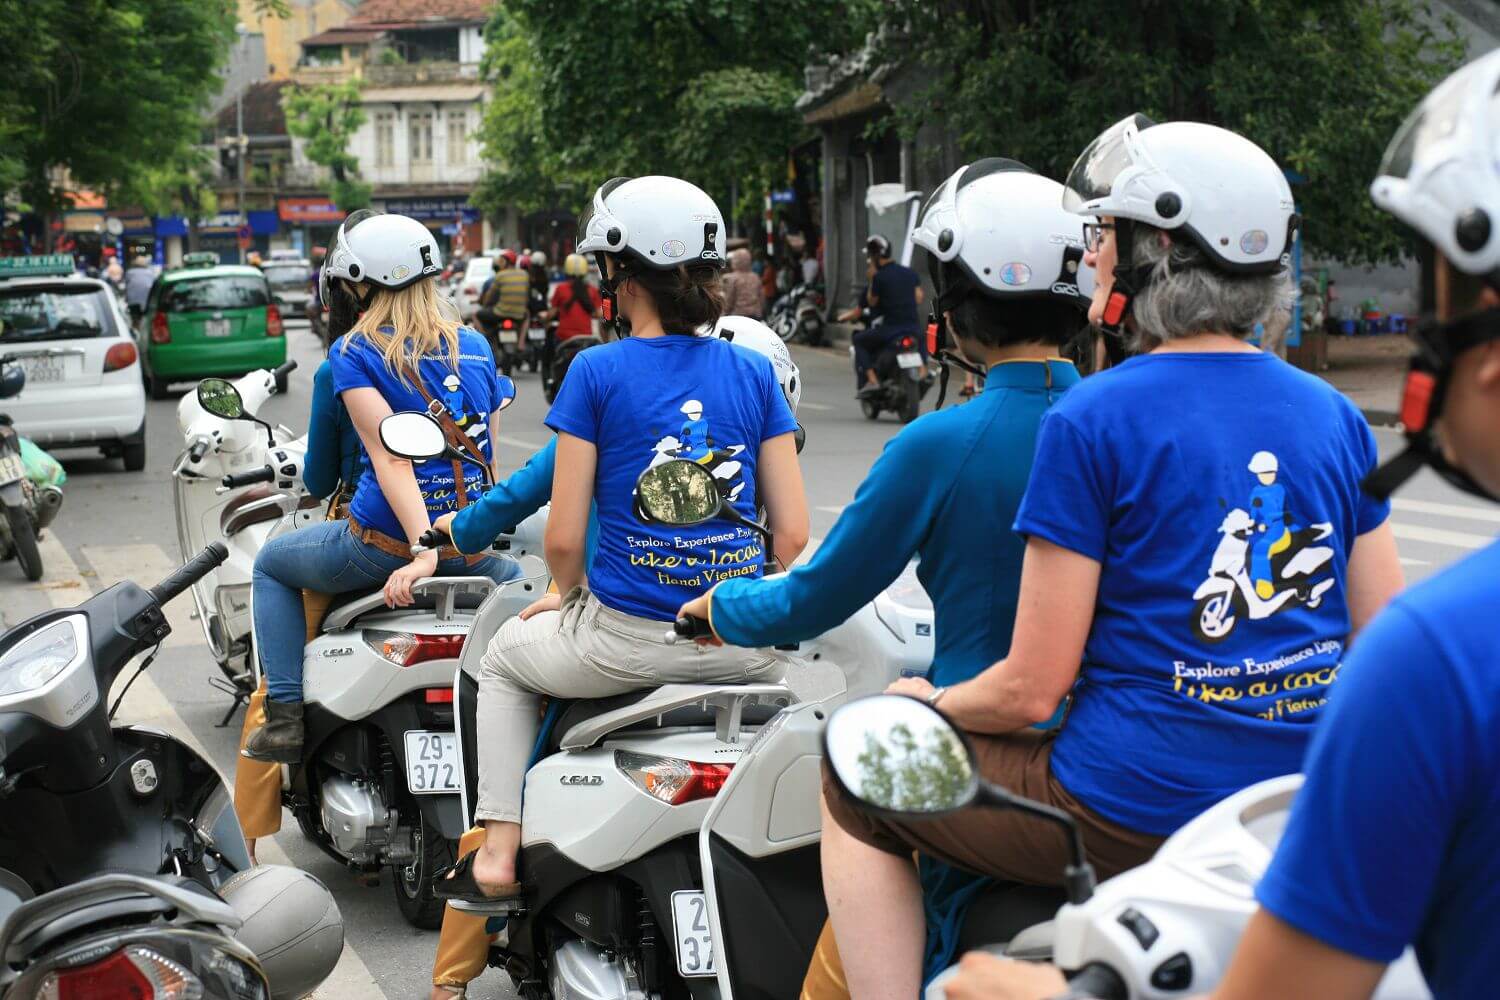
(23, 538)
(1226, 622)
(812, 333)
(870, 408)
(413, 882)
(911, 405)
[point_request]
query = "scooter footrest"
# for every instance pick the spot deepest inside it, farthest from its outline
(495, 908)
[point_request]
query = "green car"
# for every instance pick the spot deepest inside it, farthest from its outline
(205, 319)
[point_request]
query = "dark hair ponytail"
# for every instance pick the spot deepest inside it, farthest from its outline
(579, 287)
(687, 297)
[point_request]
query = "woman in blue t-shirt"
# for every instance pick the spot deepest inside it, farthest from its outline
(400, 353)
(1198, 554)
(661, 393)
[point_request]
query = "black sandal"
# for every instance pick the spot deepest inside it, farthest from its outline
(461, 888)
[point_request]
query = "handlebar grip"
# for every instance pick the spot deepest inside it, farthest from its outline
(199, 449)
(285, 368)
(190, 572)
(432, 538)
(265, 474)
(1095, 981)
(690, 627)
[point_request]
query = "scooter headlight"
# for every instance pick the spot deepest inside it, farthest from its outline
(39, 658)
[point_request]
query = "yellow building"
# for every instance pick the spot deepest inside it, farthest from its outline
(284, 35)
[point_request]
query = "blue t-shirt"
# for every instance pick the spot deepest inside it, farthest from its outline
(1392, 841)
(334, 452)
(471, 395)
(894, 288)
(645, 401)
(1221, 617)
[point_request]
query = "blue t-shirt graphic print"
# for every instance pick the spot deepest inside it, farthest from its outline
(470, 393)
(1220, 495)
(642, 402)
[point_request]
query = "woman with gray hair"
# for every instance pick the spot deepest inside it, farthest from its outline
(1198, 555)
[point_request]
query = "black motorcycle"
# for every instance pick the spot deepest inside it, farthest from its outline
(798, 315)
(28, 508)
(903, 374)
(119, 845)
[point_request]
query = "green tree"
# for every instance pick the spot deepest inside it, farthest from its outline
(1320, 84)
(898, 771)
(324, 117)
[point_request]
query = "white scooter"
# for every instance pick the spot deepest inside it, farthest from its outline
(238, 481)
(1166, 929)
(1229, 594)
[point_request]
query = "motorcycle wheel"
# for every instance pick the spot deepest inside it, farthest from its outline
(1215, 616)
(812, 332)
(413, 882)
(870, 408)
(23, 538)
(912, 403)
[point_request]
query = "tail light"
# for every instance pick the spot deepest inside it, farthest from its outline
(439, 696)
(119, 356)
(406, 649)
(907, 343)
(472, 293)
(670, 779)
(160, 332)
(132, 973)
(273, 321)
(508, 325)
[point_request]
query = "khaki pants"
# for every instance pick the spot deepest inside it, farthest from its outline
(582, 650)
(463, 943)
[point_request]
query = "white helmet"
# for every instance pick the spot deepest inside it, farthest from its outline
(1219, 188)
(657, 221)
(1005, 228)
(752, 334)
(391, 251)
(1262, 462)
(537, 257)
(1438, 175)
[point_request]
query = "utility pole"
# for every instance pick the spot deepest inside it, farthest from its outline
(239, 127)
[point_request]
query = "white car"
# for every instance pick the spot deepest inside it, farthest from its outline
(476, 272)
(83, 368)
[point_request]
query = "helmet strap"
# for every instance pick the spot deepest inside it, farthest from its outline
(611, 304)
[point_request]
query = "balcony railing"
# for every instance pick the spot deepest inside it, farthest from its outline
(407, 74)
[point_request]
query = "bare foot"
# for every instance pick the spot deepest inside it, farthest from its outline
(250, 849)
(493, 873)
(446, 992)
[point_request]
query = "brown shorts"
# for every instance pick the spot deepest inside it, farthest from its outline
(1002, 843)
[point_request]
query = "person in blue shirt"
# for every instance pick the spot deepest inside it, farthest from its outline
(1185, 686)
(661, 244)
(396, 357)
(1392, 839)
(893, 295)
(334, 455)
(946, 489)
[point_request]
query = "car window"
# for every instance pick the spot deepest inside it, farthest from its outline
(222, 292)
(53, 313)
(286, 275)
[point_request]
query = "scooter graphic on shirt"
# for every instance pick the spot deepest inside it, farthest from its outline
(1228, 595)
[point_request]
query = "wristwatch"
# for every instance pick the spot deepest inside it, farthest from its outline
(937, 693)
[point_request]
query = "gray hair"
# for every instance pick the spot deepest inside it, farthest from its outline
(1184, 296)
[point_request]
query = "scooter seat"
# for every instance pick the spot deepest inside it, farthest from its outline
(234, 517)
(1004, 910)
(695, 716)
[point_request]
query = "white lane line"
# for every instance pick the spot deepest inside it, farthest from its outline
(1414, 562)
(820, 407)
(1490, 514)
(835, 511)
(519, 442)
(1438, 536)
(145, 703)
(145, 564)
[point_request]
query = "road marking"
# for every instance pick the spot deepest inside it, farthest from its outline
(835, 511)
(146, 564)
(1414, 562)
(820, 407)
(1446, 510)
(518, 442)
(145, 702)
(1437, 536)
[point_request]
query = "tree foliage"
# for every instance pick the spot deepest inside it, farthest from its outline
(325, 117)
(1320, 84)
(98, 92)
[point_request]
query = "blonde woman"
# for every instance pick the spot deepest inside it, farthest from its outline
(400, 352)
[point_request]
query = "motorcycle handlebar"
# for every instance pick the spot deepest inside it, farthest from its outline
(1095, 981)
(690, 627)
(264, 474)
(284, 369)
(199, 449)
(190, 572)
(432, 538)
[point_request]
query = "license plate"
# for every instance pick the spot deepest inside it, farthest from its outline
(43, 369)
(695, 942)
(911, 359)
(537, 333)
(11, 469)
(509, 337)
(216, 328)
(432, 762)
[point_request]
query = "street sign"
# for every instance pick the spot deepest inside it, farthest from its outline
(786, 196)
(244, 236)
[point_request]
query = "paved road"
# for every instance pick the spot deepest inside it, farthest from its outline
(117, 525)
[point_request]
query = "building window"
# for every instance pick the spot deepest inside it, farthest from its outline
(458, 138)
(419, 136)
(385, 139)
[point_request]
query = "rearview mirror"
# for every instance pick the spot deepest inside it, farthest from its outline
(507, 388)
(12, 380)
(895, 754)
(679, 493)
(413, 435)
(219, 397)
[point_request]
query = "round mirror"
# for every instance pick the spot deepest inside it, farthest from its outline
(412, 435)
(678, 492)
(219, 397)
(900, 755)
(507, 388)
(12, 380)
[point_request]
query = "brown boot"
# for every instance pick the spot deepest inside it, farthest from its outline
(279, 740)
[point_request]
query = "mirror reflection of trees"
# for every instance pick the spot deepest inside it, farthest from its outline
(679, 493)
(220, 398)
(898, 771)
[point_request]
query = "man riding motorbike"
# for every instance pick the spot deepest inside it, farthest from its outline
(506, 296)
(1391, 840)
(893, 295)
(1189, 237)
(660, 242)
(946, 489)
(400, 354)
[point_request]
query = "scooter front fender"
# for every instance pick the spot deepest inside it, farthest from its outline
(1213, 585)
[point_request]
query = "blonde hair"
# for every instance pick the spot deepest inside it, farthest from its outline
(407, 325)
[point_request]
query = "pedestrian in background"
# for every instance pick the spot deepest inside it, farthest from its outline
(742, 291)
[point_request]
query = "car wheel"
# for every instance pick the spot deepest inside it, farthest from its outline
(157, 388)
(134, 456)
(23, 537)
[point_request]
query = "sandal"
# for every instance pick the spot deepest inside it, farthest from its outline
(456, 884)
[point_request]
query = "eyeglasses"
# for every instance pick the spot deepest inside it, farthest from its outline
(1093, 234)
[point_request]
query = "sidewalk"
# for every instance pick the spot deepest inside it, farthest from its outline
(1370, 371)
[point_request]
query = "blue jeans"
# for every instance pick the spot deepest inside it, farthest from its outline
(327, 559)
(870, 342)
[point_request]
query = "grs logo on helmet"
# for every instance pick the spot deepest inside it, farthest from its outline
(1066, 288)
(710, 241)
